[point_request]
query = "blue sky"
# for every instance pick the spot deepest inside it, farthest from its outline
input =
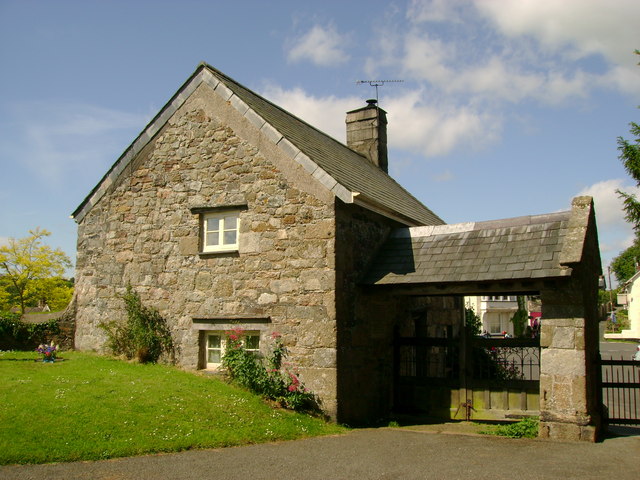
(507, 107)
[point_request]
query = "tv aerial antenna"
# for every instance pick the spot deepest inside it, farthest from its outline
(377, 83)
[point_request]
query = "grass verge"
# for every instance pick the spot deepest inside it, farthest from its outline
(89, 407)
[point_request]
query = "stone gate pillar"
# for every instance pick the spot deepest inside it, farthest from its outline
(570, 393)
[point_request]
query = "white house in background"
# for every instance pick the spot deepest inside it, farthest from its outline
(630, 297)
(495, 312)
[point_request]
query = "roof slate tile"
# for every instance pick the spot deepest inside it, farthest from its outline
(524, 247)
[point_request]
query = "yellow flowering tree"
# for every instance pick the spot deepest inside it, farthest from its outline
(26, 264)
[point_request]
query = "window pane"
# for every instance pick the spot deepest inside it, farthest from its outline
(230, 237)
(214, 356)
(230, 223)
(213, 238)
(252, 342)
(213, 224)
(214, 341)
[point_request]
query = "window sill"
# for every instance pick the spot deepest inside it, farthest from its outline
(222, 253)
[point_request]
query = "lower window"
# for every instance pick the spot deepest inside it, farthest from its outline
(216, 344)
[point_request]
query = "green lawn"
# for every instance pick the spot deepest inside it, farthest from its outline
(89, 407)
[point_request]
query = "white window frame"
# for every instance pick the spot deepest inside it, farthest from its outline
(224, 340)
(222, 218)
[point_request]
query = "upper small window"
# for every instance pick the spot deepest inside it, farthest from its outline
(220, 231)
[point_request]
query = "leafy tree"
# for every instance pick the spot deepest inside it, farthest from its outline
(624, 265)
(55, 292)
(25, 262)
(630, 156)
(5, 296)
(472, 322)
(520, 318)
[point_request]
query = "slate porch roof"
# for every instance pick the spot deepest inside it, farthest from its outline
(349, 175)
(531, 247)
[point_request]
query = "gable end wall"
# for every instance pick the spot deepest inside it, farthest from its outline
(142, 232)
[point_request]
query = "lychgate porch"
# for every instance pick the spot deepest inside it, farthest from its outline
(554, 256)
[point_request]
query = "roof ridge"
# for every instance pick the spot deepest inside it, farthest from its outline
(337, 167)
(365, 163)
(451, 228)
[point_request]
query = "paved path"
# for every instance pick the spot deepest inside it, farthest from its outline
(387, 453)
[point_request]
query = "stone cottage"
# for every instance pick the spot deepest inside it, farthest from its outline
(228, 211)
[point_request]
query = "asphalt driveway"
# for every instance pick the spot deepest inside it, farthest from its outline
(386, 453)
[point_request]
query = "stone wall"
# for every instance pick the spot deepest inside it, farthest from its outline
(142, 232)
(369, 318)
(363, 342)
(570, 392)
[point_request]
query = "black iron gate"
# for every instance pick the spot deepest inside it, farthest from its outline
(467, 378)
(621, 391)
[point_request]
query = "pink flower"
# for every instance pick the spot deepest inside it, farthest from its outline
(294, 380)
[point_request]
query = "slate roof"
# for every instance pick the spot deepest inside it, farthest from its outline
(530, 247)
(345, 172)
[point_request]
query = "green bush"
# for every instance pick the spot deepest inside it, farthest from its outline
(266, 378)
(622, 322)
(18, 335)
(145, 335)
(472, 322)
(525, 428)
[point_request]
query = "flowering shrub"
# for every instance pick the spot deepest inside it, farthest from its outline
(48, 352)
(266, 377)
(144, 335)
(243, 367)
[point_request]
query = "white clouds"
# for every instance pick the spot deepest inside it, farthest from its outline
(57, 140)
(433, 11)
(445, 176)
(413, 126)
(325, 113)
(472, 66)
(437, 128)
(574, 29)
(608, 204)
(323, 46)
(577, 27)
(514, 51)
(615, 233)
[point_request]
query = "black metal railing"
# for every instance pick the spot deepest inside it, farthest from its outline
(621, 391)
(505, 359)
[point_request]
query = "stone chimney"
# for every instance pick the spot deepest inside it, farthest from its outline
(367, 133)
